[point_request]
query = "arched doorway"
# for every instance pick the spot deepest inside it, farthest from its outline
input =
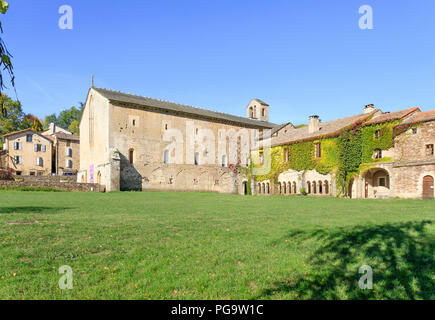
(99, 178)
(350, 187)
(377, 183)
(245, 188)
(308, 187)
(428, 188)
(326, 184)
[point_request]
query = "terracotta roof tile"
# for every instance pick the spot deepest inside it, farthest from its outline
(329, 128)
(420, 117)
(391, 116)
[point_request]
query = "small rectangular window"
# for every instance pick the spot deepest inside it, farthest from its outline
(318, 150)
(68, 163)
(131, 156)
(261, 158)
(378, 154)
(17, 146)
(29, 137)
(429, 150)
(69, 152)
(382, 182)
(39, 148)
(414, 130)
(286, 155)
(378, 134)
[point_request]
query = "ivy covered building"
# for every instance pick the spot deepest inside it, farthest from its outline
(374, 154)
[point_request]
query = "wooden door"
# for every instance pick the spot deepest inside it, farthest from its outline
(428, 188)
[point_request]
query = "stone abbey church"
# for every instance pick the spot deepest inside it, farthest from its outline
(130, 142)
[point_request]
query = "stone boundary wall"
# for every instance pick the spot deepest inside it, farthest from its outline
(54, 182)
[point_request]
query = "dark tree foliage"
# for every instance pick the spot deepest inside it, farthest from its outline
(5, 60)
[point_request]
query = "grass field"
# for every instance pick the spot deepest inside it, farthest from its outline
(155, 245)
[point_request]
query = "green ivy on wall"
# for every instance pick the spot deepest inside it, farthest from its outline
(347, 155)
(370, 143)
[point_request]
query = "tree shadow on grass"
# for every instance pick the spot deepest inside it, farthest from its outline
(31, 209)
(400, 254)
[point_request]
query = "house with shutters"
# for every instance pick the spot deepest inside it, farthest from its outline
(28, 153)
(52, 152)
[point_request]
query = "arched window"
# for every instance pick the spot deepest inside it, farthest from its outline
(259, 188)
(268, 188)
(263, 112)
(320, 187)
(224, 161)
(326, 183)
(196, 158)
(308, 187)
(263, 188)
(294, 188)
(314, 187)
(284, 188)
(279, 188)
(131, 156)
(166, 157)
(289, 188)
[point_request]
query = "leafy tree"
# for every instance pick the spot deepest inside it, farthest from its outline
(66, 117)
(32, 122)
(52, 118)
(74, 127)
(13, 120)
(5, 59)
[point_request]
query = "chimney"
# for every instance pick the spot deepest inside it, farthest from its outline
(52, 128)
(313, 124)
(369, 108)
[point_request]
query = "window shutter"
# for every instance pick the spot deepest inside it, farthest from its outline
(43, 148)
(35, 147)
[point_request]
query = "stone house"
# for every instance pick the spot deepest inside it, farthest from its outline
(130, 142)
(66, 154)
(393, 154)
(29, 153)
(52, 152)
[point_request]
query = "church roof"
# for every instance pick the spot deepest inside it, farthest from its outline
(117, 96)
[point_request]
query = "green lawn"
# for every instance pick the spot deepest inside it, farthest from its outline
(155, 245)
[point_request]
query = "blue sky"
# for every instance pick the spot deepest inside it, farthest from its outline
(302, 57)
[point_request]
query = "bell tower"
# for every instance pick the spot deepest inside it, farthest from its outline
(257, 110)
